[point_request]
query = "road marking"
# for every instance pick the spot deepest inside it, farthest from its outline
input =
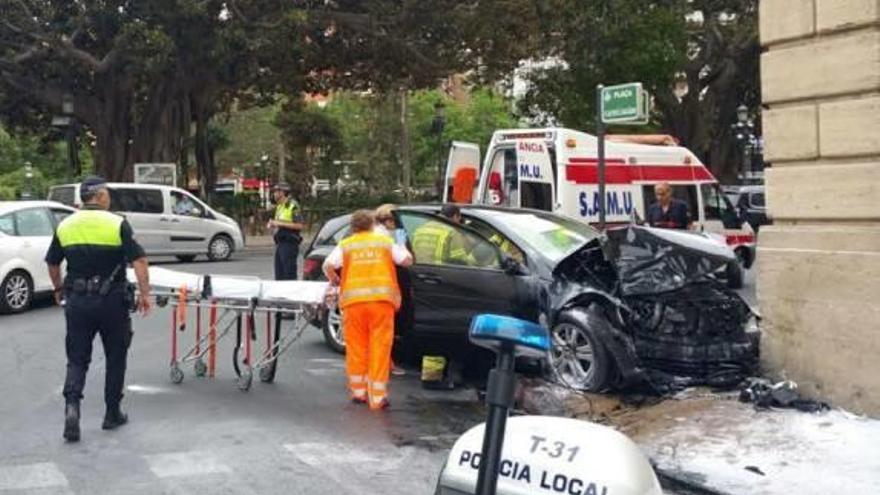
(31, 476)
(320, 454)
(149, 389)
(185, 464)
(324, 371)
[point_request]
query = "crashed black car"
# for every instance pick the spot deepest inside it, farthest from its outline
(634, 305)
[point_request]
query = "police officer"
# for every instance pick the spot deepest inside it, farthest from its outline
(286, 226)
(96, 244)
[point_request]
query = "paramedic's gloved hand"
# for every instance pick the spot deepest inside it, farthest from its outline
(331, 296)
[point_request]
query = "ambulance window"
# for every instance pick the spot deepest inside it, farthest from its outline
(688, 194)
(536, 195)
(718, 207)
(502, 182)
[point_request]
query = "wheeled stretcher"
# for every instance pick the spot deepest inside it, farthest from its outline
(241, 302)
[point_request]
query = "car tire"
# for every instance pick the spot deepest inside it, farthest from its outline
(185, 258)
(220, 248)
(332, 329)
(734, 274)
(578, 358)
(16, 292)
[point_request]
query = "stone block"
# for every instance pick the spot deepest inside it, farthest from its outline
(840, 14)
(837, 65)
(824, 191)
(785, 19)
(822, 321)
(791, 133)
(850, 127)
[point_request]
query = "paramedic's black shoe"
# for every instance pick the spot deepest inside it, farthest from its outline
(71, 422)
(114, 418)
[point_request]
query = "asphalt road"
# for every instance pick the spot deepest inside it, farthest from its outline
(297, 435)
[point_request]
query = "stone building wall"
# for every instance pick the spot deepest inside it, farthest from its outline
(819, 265)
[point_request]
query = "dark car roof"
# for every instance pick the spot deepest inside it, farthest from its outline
(479, 212)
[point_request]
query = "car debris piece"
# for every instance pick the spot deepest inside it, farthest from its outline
(765, 394)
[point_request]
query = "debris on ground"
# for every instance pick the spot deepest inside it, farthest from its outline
(765, 394)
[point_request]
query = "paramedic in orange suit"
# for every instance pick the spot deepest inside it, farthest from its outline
(368, 296)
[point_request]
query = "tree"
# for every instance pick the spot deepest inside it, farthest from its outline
(699, 58)
(147, 77)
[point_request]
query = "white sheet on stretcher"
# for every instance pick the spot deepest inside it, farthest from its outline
(164, 278)
(239, 288)
(296, 291)
(233, 287)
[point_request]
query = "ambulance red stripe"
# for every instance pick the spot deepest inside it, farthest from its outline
(587, 172)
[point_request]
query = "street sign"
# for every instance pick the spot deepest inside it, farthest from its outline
(164, 174)
(624, 104)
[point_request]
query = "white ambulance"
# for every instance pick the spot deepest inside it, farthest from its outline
(556, 170)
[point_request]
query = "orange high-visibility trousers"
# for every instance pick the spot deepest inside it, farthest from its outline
(369, 333)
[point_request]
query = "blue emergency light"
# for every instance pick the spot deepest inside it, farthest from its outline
(492, 331)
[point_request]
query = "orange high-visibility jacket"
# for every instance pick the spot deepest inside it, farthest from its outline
(368, 272)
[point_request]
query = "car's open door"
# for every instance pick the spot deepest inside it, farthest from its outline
(462, 173)
(535, 175)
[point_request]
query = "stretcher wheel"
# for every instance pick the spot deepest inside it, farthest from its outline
(267, 373)
(176, 374)
(200, 368)
(245, 380)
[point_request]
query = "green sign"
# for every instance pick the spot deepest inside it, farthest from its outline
(625, 104)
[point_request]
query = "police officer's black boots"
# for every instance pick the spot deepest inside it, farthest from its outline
(71, 422)
(114, 418)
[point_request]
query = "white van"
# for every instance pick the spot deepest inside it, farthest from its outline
(166, 220)
(556, 169)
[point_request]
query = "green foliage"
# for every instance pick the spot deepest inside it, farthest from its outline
(607, 42)
(47, 159)
(364, 133)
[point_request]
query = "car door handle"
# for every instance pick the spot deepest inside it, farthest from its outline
(163, 219)
(429, 278)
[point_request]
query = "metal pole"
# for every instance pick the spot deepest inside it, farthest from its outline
(600, 144)
(499, 396)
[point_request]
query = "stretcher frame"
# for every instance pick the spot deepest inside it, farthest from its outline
(224, 313)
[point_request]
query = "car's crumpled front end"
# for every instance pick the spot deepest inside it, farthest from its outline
(674, 324)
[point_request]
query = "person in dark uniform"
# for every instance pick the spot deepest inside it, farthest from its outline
(286, 226)
(668, 212)
(96, 244)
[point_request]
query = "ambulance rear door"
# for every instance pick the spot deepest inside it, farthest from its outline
(536, 178)
(462, 173)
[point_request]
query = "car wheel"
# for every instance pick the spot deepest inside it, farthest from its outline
(17, 292)
(186, 258)
(578, 359)
(332, 329)
(220, 248)
(734, 274)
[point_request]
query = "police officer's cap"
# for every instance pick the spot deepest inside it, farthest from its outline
(91, 185)
(282, 186)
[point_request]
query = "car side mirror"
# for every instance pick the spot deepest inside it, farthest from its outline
(510, 265)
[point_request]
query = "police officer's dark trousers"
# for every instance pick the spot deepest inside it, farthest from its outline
(286, 254)
(88, 314)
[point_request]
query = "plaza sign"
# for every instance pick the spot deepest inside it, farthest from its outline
(624, 104)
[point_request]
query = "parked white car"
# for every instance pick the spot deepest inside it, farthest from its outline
(26, 230)
(167, 220)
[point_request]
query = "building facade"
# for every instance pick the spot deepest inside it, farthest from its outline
(819, 265)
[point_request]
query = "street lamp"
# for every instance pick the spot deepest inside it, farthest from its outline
(67, 122)
(744, 132)
(437, 126)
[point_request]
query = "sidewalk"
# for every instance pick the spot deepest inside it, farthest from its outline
(263, 242)
(714, 444)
